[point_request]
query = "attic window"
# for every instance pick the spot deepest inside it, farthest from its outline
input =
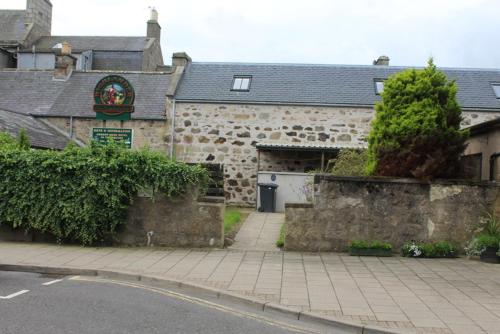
(241, 83)
(496, 89)
(379, 86)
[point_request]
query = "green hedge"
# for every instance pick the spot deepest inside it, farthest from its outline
(82, 194)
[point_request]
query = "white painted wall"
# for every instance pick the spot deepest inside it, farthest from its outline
(292, 187)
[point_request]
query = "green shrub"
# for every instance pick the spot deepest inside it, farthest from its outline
(416, 130)
(362, 244)
(82, 194)
(350, 162)
(281, 240)
(486, 240)
(444, 249)
(429, 250)
(7, 142)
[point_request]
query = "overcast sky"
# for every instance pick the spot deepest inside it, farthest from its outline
(457, 33)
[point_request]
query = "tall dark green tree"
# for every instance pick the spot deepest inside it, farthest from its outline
(416, 130)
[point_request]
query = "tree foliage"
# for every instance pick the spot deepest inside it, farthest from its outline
(416, 130)
(350, 162)
(82, 194)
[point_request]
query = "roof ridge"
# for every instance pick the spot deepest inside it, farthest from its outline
(345, 66)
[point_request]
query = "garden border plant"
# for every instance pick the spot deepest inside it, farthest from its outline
(486, 244)
(438, 249)
(82, 194)
(370, 248)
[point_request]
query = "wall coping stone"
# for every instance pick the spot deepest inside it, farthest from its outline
(211, 199)
(298, 205)
(382, 179)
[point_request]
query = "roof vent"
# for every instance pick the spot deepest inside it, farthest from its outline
(382, 61)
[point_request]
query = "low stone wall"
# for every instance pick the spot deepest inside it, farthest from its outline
(393, 210)
(170, 222)
(174, 222)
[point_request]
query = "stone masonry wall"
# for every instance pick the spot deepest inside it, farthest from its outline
(227, 133)
(174, 222)
(153, 133)
(392, 210)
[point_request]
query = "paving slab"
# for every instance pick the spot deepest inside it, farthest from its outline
(259, 232)
(401, 294)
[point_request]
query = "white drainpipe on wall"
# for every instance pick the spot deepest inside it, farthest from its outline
(172, 137)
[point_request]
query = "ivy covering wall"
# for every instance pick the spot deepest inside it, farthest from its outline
(82, 194)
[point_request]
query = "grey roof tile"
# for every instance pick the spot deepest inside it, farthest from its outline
(97, 43)
(40, 135)
(11, 25)
(319, 84)
(35, 92)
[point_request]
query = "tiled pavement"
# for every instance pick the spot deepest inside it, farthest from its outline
(410, 295)
(260, 231)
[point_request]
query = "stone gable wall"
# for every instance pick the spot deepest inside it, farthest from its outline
(227, 133)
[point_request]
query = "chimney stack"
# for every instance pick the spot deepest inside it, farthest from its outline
(180, 59)
(382, 61)
(154, 29)
(65, 62)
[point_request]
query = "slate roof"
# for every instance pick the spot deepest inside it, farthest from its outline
(97, 43)
(11, 25)
(36, 93)
(40, 135)
(341, 85)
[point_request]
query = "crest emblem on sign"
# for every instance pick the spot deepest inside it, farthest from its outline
(114, 98)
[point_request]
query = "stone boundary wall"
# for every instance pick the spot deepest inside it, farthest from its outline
(393, 210)
(175, 222)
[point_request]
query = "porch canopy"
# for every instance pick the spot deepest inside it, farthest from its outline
(321, 149)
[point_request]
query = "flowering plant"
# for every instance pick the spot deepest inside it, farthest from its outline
(411, 249)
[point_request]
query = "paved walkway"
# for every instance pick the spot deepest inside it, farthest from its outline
(408, 295)
(260, 231)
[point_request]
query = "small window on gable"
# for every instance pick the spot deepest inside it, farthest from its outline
(241, 83)
(379, 86)
(496, 89)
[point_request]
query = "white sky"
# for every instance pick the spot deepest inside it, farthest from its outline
(457, 33)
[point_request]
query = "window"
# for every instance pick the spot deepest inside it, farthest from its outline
(496, 89)
(241, 83)
(379, 86)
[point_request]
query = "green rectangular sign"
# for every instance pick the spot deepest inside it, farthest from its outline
(102, 135)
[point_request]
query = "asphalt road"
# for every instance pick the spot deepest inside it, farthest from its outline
(33, 303)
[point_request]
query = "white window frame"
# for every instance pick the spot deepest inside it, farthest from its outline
(241, 83)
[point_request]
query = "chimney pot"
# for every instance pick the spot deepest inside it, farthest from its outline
(154, 15)
(382, 61)
(154, 28)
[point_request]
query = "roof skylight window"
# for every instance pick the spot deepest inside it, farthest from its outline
(379, 86)
(241, 83)
(496, 89)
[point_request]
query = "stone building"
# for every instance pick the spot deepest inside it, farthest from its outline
(240, 118)
(26, 42)
(482, 154)
(291, 117)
